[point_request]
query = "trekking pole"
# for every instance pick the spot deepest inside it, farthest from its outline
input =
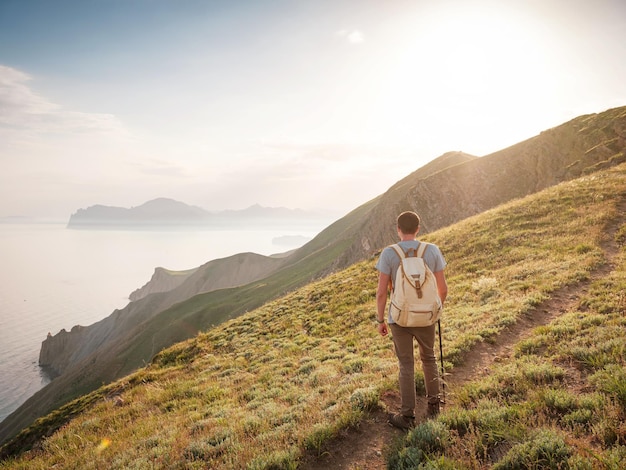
(443, 381)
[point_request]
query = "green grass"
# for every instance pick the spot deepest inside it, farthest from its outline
(559, 403)
(262, 390)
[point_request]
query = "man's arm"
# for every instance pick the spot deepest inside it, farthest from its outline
(381, 302)
(442, 285)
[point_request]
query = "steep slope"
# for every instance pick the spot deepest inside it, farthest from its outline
(582, 145)
(264, 389)
(448, 189)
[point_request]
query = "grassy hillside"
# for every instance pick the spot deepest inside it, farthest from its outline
(145, 327)
(559, 403)
(279, 382)
(448, 189)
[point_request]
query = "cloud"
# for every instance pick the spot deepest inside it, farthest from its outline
(23, 110)
(158, 167)
(312, 152)
(329, 176)
(353, 37)
(16, 98)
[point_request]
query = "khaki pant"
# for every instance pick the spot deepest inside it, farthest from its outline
(403, 343)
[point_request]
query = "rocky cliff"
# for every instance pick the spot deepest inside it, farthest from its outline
(165, 289)
(55, 347)
(162, 280)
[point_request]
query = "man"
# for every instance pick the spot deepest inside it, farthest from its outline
(408, 224)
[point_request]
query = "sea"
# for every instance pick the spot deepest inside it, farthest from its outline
(54, 278)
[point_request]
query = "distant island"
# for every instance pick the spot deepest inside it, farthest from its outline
(168, 213)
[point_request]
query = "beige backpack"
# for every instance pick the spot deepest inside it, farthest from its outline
(414, 298)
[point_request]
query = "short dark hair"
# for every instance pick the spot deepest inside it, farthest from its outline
(408, 222)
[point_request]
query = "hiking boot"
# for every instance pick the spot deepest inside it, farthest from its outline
(401, 421)
(432, 410)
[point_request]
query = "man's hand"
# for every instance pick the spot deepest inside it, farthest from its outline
(382, 329)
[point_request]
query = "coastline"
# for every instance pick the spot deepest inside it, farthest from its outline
(62, 278)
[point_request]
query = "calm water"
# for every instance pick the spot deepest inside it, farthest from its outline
(54, 278)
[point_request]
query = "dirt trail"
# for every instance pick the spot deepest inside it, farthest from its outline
(365, 447)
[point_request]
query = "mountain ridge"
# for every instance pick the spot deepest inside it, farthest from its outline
(562, 153)
(166, 212)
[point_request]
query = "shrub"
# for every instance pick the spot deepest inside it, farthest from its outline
(430, 436)
(583, 248)
(459, 420)
(616, 458)
(545, 450)
(559, 401)
(612, 381)
(577, 418)
(354, 366)
(540, 374)
(206, 449)
(365, 399)
(409, 458)
(278, 460)
(320, 435)
(534, 345)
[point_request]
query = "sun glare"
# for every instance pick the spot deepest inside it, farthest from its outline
(457, 64)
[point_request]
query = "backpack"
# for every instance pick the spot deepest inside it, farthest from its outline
(414, 298)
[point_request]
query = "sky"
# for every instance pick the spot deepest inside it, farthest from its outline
(317, 104)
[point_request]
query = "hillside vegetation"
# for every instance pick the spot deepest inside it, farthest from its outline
(281, 381)
(446, 190)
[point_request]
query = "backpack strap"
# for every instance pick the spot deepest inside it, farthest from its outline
(421, 249)
(401, 254)
(399, 251)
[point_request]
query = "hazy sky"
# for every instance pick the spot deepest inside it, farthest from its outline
(308, 104)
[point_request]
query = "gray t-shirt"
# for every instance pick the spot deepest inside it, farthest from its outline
(389, 262)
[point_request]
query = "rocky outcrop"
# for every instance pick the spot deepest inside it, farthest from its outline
(162, 280)
(54, 349)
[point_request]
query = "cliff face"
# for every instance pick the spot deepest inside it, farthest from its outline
(54, 349)
(165, 289)
(65, 349)
(448, 189)
(162, 280)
